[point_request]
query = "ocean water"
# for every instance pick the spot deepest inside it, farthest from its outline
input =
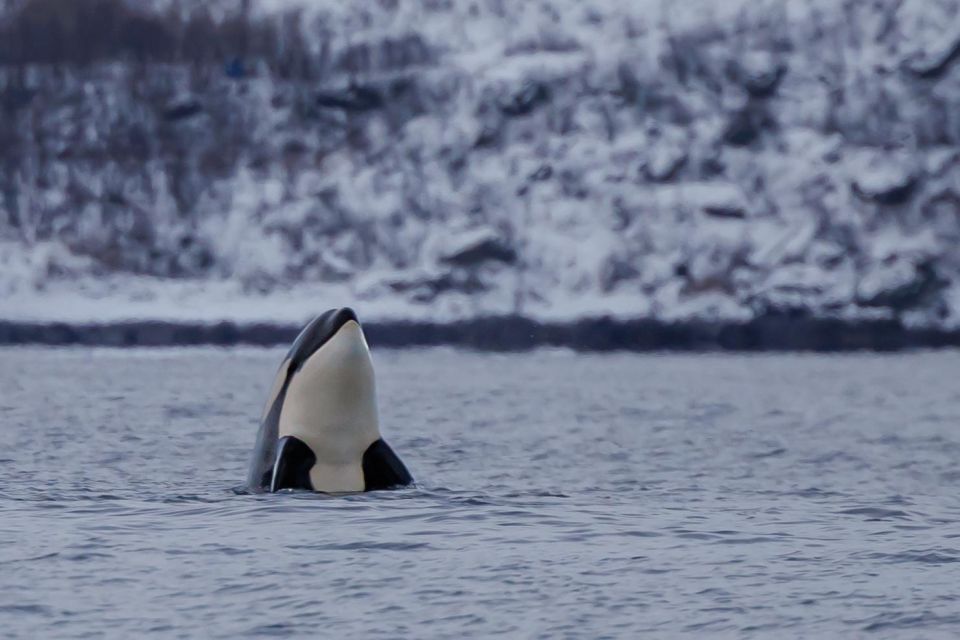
(559, 495)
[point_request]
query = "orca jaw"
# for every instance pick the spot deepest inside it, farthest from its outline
(382, 469)
(291, 469)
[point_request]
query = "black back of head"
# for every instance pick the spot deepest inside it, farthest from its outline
(317, 333)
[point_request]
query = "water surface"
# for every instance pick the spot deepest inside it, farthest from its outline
(559, 495)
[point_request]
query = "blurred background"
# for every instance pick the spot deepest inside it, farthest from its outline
(432, 161)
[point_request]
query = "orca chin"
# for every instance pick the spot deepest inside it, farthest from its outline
(382, 469)
(291, 470)
(320, 428)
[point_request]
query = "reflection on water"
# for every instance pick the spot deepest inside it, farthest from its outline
(558, 495)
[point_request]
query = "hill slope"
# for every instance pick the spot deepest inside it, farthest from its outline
(444, 161)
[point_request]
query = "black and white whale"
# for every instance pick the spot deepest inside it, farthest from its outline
(320, 430)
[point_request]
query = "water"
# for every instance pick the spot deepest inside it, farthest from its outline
(559, 495)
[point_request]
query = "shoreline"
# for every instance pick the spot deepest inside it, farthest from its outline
(512, 333)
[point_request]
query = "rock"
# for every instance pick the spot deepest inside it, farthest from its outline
(884, 179)
(182, 108)
(942, 213)
(353, 98)
(759, 73)
(406, 97)
(899, 286)
(663, 164)
(193, 256)
(743, 127)
(710, 256)
(722, 200)
(544, 172)
(474, 247)
(390, 53)
(424, 285)
(939, 161)
(709, 268)
(528, 97)
(933, 60)
(792, 287)
(408, 50)
(616, 269)
(488, 137)
(630, 90)
(334, 268)
(665, 157)
(780, 246)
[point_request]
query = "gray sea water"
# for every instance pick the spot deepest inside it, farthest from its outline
(559, 495)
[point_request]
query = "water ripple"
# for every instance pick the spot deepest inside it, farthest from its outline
(558, 495)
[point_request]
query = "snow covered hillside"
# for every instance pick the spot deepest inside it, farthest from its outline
(447, 159)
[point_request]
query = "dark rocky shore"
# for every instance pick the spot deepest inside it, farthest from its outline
(768, 333)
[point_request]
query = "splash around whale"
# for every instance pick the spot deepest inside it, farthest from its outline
(320, 429)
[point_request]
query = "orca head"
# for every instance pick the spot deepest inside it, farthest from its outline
(325, 396)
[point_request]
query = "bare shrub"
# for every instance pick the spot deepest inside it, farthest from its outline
(84, 32)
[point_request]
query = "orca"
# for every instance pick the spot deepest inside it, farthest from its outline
(320, 430)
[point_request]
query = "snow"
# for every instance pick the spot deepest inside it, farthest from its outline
(696, 160)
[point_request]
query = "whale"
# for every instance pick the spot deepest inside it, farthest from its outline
(320, 428)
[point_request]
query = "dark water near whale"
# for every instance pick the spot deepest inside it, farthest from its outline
(559, 495)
